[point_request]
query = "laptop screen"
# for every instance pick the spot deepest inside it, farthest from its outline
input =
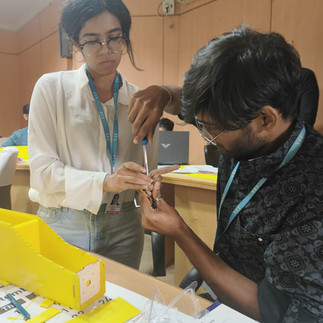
(173, 147)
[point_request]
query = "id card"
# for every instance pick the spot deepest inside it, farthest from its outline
(114, 206)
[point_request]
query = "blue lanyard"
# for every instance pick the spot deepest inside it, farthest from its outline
(113, 151)
(290, 154)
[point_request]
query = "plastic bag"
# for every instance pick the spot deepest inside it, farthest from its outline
(156, 310)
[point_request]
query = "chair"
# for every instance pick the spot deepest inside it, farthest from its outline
(194, 276)
(161, 248)
(8, 162)
(158, 251)
(157, 242)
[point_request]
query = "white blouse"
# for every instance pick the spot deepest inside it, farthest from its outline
(67, 146)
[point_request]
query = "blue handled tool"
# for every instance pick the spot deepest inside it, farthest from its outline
(14, 302)
(144, 143)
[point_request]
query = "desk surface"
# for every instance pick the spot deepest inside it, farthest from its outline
(143, 284)
(184, 180)
(170, 178)
(23, 165)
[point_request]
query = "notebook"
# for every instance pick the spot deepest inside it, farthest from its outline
(173, 147)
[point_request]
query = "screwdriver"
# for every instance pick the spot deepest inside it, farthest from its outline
(144, 143)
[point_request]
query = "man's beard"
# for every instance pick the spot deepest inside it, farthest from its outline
(248, 147)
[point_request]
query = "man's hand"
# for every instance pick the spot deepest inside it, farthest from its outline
(161, 218)
(145, 109)
(156, 214)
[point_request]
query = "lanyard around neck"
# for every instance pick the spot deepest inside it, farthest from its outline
(290, 154)
(112, 150)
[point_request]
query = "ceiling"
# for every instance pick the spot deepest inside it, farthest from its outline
(14, 14)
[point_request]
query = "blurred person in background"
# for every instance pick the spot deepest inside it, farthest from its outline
(19, 137)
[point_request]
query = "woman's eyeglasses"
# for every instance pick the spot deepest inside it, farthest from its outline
(115, 45)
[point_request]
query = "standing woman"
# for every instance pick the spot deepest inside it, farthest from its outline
(80, 142)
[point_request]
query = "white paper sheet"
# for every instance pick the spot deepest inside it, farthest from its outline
(30, 301)
(225, 314)
(195, 169)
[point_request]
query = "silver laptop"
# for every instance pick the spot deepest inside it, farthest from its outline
(173, 147)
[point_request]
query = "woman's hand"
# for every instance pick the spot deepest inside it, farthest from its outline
(156, 176)
(128, 176)
(156, 173)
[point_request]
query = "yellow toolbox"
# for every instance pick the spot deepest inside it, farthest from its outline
(35, 257)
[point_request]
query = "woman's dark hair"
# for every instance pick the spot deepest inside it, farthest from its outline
(234, 76)
(77, 12)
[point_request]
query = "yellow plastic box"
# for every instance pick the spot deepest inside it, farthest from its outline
(35, 257)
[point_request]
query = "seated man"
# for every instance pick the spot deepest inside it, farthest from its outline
(241, 93)
(19, 137)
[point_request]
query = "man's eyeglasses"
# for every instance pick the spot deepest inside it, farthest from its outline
(115, 44)
(205, 128)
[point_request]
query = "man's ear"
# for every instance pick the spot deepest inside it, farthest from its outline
(269, 117)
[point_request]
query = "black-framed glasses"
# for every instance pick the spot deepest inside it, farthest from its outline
(115, 44)
(205, 128)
